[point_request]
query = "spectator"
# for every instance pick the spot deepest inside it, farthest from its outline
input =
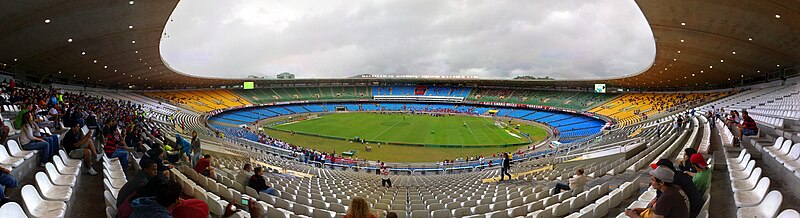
(78, 146)
(30, 142)
(165, 198)
(52, 140)
(701, 178)
(195, 149)
(21, 115)
(244, 175)
(204, 167)
(115, 146)
(191, 208)
(385, 178)
(183, 146)
(685, 182)
(6, 181)
(576, 183)
(672, 203)
(391, 215)
(748, 126)
(505, 167)
(149, 170)
(359, 209)
(252, 206)
(155, 154)
(258, 182)
(4, 131)
(685, 165)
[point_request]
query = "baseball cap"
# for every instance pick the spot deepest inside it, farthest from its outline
(663, 173)
(663, 162)
(698, 159)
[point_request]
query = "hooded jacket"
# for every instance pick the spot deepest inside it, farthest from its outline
(147, 207)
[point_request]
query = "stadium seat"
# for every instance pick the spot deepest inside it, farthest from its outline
(738, 159)
(50, 191)
(752, 197)
(744, 173)
(38, 207)
(793, 155)
(16, 151)
(767, 208)
(12, 209)
(110, 200)
(746, 184)
(64, 169)
(69, 161)
(58, 178)
(788, 213)
(6, 159)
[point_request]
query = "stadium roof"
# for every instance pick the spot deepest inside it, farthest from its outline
(699, 45)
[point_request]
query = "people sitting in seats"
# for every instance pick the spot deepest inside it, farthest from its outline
(149, 170)
(155, 154)
(685, 182)
(258, 182)
(672, 202)
(252, 206)
(7, 181)
(701, 178)
(748, 126)
(80, 147)
(204, 167)
(31, 142)
(576, 183)
(684, 164)
(244, 175)
(359, 209)
(52, 140)
(115, 147)
(160, 203)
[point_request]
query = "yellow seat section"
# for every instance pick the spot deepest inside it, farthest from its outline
(201, 100)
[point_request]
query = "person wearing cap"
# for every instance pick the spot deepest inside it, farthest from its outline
(685, 182)
(701, 178)
(672, 202)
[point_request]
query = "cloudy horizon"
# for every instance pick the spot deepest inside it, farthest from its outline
(569, 39)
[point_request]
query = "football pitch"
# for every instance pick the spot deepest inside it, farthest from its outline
(409, 129)
(477, 135)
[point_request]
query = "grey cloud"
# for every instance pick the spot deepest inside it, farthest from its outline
(567, 39)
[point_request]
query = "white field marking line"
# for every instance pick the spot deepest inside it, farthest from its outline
(379, 134)
(470, 131)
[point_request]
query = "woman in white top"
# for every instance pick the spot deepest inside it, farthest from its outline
(31, 142)
(52, 140)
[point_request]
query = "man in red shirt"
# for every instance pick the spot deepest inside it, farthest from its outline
(204, 166)
(748, 126)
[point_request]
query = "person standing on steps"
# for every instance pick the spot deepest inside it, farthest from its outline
(505, 167)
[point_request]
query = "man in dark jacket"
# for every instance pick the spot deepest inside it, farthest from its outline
(258, 182)
(505, 167)
(149, 170)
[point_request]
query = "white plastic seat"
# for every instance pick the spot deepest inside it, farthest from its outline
(746, 184)
(110, 200)
(110, 212)
(12, 210)
(742, 174)
(69, 161)
(114, 191)
(787, 146)
(793, 155)
(112, 167)
(63, 169)
(788, 213)
(58, 178)
(50, 191)
(767, 208)
(7, 159)
(114, 174)
(752, 197)
(15, 150)
(738, 159)
(779, 142)
(116, 183)
(38, 207)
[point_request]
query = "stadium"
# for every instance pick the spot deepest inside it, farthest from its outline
(90, 100)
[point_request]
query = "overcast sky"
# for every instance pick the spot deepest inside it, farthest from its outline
(564, 39)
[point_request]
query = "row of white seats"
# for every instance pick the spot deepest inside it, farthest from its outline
(785, 153)
(750, 190)
(705, 142)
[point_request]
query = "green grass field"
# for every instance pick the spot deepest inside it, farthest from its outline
(414, 129)
(411, 129)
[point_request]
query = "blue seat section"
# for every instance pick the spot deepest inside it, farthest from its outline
(296, 109)
(572, 127)
(314, 107)
(381, 90)
(402, 90)
(238, 132)
(351, 107)
(280, 110)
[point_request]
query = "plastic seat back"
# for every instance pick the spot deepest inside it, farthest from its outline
(12, 209)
